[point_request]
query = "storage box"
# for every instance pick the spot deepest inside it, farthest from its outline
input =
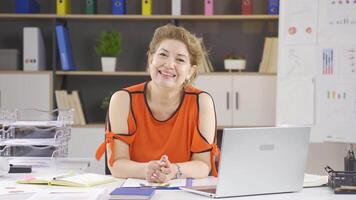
(9, 59)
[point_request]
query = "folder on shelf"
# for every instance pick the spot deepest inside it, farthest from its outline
(208, 7)
(34, 53)
(146, 7)
(119, 7)
(69, 179)
(64, 46)
(176, 7)
(63, 7)
(273, 7)
(27, 6)
(71, 101)
(90, 7)
(270, 56)
(78, 107)
(246, 7)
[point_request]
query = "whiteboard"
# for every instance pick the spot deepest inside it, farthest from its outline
(316, 82)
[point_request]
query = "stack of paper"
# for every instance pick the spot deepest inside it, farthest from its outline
(311, 180)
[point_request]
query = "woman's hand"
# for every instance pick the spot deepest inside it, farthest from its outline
(160, 171)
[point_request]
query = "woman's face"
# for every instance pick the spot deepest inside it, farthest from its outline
(170, 65)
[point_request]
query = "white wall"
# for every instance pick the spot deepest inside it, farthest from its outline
(322, 154)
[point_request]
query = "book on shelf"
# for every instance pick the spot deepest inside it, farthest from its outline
(132, 193)
(65, 49)
(63, 7)
(71, 101)
(146, 7)
(270, 56)
(68, 179)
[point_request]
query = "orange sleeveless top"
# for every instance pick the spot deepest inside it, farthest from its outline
(177, 137)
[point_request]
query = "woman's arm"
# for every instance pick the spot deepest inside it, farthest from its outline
(123, 166)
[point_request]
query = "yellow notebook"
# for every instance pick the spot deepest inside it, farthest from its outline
(63, 7)
(71, 180)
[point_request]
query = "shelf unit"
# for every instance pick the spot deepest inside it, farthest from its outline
(242, 34)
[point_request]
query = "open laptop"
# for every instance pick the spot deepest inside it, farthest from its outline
(260, 160)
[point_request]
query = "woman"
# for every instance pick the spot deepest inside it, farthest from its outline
(164, 128)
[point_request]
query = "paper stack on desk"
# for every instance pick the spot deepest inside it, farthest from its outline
(311, 180)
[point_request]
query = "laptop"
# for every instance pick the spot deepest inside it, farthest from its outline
(261, 160)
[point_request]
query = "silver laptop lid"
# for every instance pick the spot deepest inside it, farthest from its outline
(262, 160)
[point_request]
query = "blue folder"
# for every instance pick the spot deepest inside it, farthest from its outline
(65, 50)
(119, 7)
(27, 6)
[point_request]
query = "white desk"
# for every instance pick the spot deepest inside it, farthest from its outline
(321, 193)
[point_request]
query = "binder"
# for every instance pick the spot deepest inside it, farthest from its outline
(146, 7)
(208, 7)
(119, 7)
(65, 50)
(63, 7)
(90, 7)
(273, 7)
(246, 7)
(34, 53)
(27, 6)
(176, 7)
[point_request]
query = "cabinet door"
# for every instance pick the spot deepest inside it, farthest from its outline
(254, 98)
(26, 91)
(219, 87)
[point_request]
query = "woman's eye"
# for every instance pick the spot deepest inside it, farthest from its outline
(163, 54)
(180, 60)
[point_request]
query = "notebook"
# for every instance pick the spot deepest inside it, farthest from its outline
(132, 193)
(69, 179)
(271, 159)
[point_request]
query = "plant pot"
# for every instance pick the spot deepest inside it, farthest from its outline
(232, 64)
(108, 64)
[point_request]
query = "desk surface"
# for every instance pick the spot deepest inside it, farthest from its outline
(319, 193)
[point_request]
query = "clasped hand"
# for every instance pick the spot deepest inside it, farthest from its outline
(160, 171)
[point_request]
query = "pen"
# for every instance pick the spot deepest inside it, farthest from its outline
(62, 176)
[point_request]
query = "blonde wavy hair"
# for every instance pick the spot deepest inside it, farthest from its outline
(193, 43)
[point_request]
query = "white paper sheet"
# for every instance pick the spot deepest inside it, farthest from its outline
(295, 101)
(73, 193)
(132, 182)
(300, 22)
(336, 60)
(337, 21)
(297, 61)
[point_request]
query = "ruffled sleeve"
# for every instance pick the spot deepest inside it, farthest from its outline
(109, 139)
(200, 145)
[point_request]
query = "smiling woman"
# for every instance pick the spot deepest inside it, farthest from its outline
(164, 128)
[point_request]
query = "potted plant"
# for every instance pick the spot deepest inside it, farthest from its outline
(108, 48)
(234, 62)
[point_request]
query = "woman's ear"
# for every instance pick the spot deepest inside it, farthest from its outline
(192, 71)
